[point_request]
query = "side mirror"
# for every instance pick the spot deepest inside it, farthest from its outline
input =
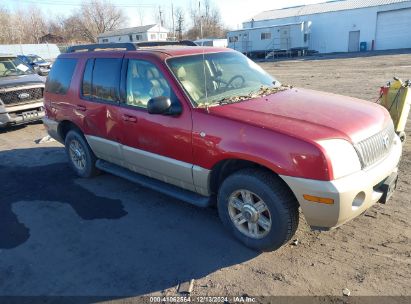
(162, 105)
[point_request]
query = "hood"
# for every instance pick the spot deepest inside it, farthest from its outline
(310, 115)
(21, 80)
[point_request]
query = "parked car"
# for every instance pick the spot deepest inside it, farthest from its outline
(41, 66)
(21, 92)
(209, 126)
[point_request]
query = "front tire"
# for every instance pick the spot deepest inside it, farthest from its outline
(258, 208)
(81, 158)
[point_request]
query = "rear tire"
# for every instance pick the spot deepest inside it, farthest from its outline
(81, 158)
(258, 208)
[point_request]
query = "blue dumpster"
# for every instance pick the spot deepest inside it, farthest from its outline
(363, 46)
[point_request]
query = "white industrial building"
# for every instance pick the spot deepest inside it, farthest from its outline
(334, 26)
(152, 32)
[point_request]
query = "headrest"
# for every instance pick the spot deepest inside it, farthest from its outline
(181, 73)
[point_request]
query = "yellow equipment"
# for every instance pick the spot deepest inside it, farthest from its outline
(396, 98)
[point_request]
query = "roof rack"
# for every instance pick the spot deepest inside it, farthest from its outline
(165, 43)
(126, 46)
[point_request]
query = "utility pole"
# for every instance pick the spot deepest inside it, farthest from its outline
(172, 20)
(161, 15)
(201, 19)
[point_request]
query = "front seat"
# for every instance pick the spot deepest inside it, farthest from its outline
(2, 68)
(191, 89)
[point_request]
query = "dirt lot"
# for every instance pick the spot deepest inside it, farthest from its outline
(60, 235)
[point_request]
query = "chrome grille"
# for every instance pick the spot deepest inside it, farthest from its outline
(375, 147)
(21, 96)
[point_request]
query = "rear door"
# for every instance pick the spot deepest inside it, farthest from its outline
(158, 146)
(100, 99)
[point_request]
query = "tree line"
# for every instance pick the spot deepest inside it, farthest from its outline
(93, 17)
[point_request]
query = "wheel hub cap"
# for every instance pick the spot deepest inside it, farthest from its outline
(250, 213)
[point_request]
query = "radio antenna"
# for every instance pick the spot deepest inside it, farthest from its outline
(204, 62)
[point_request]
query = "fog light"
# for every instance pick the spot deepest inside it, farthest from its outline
(358, 200)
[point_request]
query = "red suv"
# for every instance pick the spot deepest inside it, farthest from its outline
(209, 126)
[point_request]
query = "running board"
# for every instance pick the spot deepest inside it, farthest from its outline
(156, 185)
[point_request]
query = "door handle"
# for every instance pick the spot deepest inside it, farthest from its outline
(81, 108)
(129, 118)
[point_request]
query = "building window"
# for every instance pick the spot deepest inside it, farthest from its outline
(233, 39)
(139, 37)
(153, 36)
(105, 40)
(265, 36)
(130, 37)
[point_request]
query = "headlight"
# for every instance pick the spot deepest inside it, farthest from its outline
(342, 155)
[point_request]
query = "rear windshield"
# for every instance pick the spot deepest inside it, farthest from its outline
(59, 78)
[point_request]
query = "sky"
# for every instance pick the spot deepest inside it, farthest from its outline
(233, 12)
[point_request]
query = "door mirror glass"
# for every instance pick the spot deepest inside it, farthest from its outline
(159, 105)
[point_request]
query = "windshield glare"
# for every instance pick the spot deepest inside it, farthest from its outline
(210, 78)
(12, 66)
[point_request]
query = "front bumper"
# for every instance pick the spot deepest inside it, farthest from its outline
(21, 114)
(352, 194)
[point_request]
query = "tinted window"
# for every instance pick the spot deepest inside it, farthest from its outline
(106, 78)
(59, 78)
(144, 81)
(88, 72)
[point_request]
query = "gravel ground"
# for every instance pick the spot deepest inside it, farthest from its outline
(60, 235)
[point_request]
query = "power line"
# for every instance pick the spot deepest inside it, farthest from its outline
(57, 3)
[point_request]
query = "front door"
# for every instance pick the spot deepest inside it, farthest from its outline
(354, 41)
(158, 146)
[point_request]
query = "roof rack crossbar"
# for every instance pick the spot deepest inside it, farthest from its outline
(126, 45)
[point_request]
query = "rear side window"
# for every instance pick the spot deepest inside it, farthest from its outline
(106, 79)
(59, 79)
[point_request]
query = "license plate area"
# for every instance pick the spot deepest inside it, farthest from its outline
(388, 187)
(30, 115)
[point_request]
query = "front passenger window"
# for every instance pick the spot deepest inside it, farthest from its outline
(144, 81)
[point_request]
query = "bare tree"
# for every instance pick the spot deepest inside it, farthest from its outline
(180, 18)
(206, 21)
(98, 16)
(5, 26)
(35, 24)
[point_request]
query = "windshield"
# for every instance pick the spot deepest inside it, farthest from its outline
(12, 66)
(35, 59)
(218, 78)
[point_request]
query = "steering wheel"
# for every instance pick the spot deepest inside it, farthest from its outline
(6, 72)
(231, 83)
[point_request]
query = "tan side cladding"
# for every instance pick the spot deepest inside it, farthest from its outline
(169, 170)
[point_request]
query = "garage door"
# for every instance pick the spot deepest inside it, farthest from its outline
(393, 30)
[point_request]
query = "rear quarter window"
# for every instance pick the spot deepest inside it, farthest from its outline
(59, 78)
